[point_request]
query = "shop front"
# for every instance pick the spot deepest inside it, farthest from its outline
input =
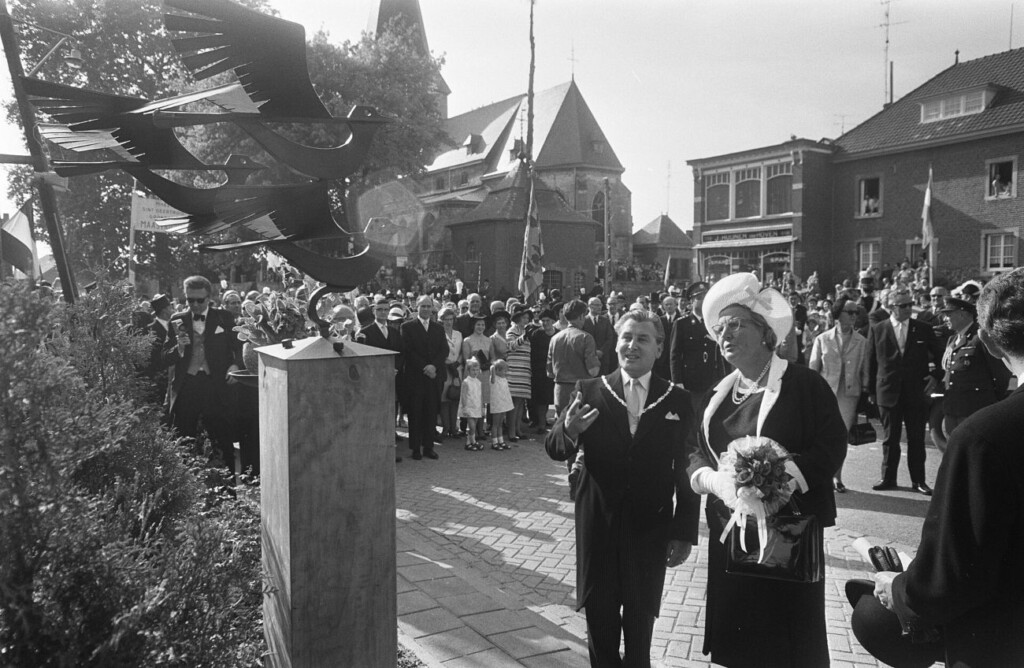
(762, 251)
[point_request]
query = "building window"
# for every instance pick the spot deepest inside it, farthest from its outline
(716, 196)
(552, 280)
(748, 192)
(962, 104)
(869, 196)
(1002, 178)
(1000, 251)
(463, 178)
(780, 188)
(869, 254)
(579, 281)
(439, 183)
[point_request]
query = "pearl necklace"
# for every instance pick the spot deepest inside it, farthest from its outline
(740, 395)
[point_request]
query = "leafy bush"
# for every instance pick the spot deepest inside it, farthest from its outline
(112, 550)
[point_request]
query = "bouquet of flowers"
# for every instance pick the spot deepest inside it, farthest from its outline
(272, 321)
(757, 466)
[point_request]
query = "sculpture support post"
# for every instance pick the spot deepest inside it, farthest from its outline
(327, 427)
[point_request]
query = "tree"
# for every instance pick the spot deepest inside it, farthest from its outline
(128, 52)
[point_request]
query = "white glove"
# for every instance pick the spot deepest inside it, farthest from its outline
(708, 481)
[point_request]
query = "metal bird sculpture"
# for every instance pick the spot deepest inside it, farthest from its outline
(268, 55)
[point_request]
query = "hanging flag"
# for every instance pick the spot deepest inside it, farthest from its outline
(531, 272)
(19, 248)
(668, 270)
(927, 231)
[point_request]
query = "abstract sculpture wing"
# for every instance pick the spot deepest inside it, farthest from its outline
(267, 54)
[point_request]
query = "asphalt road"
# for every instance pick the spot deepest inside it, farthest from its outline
(895, 516)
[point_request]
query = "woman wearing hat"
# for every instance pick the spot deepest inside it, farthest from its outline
(518, 369)
(752, 621)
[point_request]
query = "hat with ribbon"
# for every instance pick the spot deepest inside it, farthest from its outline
(745, 290)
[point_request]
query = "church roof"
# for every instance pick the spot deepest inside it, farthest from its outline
(662, 231)
(565, 133)
(899, 126)
(510, 198)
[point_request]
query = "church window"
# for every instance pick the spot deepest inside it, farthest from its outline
(780, 188)
(716, 196)
(748, 192)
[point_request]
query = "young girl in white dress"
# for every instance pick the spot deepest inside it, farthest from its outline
(471, 404)
(501, 403)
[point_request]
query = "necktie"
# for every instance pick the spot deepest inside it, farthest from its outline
(633, 404)
(198, 318)
(901, 336)
(384, 331)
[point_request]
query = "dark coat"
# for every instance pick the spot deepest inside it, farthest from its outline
(974, 378)
(221, 345)
(371, 336)
(966, 577)
(420, 348)
(891, 374)
(603, 331)
(630, 481)
(694, 358)
(663, 365)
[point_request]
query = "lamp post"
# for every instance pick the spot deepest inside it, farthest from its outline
(40, 163)
(607, 237)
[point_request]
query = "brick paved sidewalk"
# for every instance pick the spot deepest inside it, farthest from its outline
(486, 568)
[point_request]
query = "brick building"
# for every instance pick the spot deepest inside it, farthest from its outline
(967, 125)
(763, 210)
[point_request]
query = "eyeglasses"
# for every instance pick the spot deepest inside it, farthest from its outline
(195, 300)
(731, 325)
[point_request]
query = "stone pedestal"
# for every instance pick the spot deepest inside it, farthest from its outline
(327, 429)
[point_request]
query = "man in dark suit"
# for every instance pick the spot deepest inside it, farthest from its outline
(627, 531)
(900, 382)
(425, 349)
(669, 315)
(203, 349)
(157, 369)
(599, 327)
(695, 361)
(381, 335)
(965, 579)
(464, 322)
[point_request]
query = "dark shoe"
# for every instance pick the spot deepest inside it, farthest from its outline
(417, 456)
(398, 459)
(513, 438)
(882, 486)
(841, 488)
(430, 454)
(399, 437)
(922, 488)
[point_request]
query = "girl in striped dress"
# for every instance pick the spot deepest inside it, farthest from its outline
(519, 374)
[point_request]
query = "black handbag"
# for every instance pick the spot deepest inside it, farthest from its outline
(793, 552)
(862, 432)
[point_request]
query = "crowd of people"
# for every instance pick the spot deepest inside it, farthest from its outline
(650, 396)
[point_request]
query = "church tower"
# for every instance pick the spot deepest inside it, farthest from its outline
(407, 12)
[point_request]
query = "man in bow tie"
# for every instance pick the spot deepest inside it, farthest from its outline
(203, 349)
(635, 428)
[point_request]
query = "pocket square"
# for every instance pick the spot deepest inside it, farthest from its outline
(671, 416)
(219, 330)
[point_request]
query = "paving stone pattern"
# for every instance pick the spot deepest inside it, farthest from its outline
(486, 568)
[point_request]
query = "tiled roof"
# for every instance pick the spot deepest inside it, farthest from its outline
(510, 197)
(662, 231)
(900, 126)
(565, 133)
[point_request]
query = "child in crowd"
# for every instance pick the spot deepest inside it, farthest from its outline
(501, 403)
(471, 405)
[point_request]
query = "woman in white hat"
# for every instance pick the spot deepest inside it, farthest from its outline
(752, 621)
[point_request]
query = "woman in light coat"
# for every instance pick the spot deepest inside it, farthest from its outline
(840, 356)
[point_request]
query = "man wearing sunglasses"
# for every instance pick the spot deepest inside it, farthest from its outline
(203, 349)
(900, 382)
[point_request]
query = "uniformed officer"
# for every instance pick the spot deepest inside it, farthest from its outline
(696, 363)
(974, 378)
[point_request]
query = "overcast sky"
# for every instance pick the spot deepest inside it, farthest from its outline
(674, 80)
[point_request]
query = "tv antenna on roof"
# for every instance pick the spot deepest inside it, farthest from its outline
(886, 92)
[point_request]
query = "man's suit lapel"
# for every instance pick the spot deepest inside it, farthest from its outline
(657, 388)
(617, 407)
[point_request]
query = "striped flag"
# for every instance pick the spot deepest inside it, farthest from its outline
(927, 231)
(18, 246)
(668, 270)
(531, 272)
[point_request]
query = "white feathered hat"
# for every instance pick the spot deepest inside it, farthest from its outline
(744, 289)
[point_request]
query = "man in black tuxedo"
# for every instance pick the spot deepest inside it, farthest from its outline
(381, 335)
(627, 528)
(900, 382)
(203, 349)
(425, 349)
